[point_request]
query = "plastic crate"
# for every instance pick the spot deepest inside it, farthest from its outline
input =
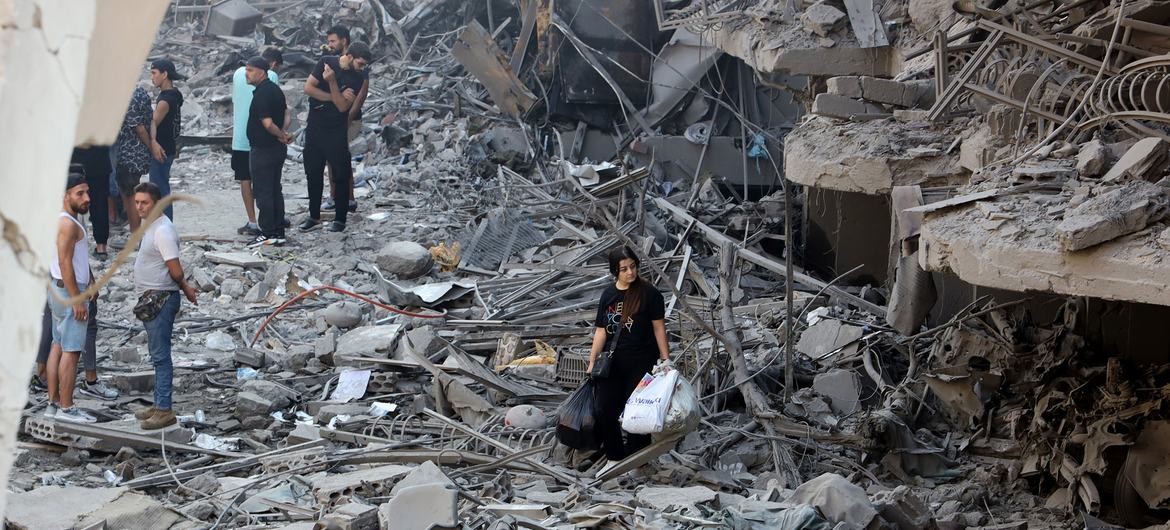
(571, 367)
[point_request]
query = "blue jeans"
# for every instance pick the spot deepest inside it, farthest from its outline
(160, 175)
(158, 342)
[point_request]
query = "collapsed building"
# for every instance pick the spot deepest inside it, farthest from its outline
(912, 252)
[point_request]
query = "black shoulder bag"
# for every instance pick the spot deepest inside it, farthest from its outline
(604, 362)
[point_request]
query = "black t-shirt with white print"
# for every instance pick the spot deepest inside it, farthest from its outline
(638, 337)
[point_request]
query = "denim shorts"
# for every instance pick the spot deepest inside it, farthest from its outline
(67, 331)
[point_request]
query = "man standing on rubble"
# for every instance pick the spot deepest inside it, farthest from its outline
(70, 276)
(241, 102)
(158, 276)
(337, 42)
(268, 117)
(165, 125)
(331, 88)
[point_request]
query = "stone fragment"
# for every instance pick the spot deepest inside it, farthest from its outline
(279, 394)
(525, 417)
(238, 259)
(1113, 214)
(835, 106)
(822, 18)
(1146, 159)
(1092, 158)
(377, 341)
(206, 483)
(325, 345)
(421, 508)
(202, 280)
(133, 381)
(232, 287)
(404, 259)
(845, 85)
(343, 314)
(250, 405)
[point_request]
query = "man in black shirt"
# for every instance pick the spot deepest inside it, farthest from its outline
(332, 88)
(337, 43)
(165, 127)
(268, 117)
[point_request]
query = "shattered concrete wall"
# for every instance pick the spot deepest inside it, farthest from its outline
(48, 51)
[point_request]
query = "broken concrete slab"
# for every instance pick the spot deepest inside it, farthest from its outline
(886, 91)
(1113, 214)
(371, 482)
(42, 508)
(132, 510)
(663, 498)
(869, 157)
(1148, 158)
(238, 259)
(823, 338)
(354, 516)
(372, 341)
(906, 511)
(421, 508)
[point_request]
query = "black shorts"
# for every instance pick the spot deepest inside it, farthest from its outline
(240, 165)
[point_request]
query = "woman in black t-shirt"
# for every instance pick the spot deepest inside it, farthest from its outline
(638, 307)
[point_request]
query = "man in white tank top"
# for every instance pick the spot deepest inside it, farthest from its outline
(70, 276)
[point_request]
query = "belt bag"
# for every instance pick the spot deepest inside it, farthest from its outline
(150, 303)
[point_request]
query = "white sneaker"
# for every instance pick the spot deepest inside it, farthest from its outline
(50, 410)
(74, 415)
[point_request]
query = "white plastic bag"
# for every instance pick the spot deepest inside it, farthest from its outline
(683, 415)
(646, 407)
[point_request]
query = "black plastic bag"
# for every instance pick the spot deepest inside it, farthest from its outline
(576, 425)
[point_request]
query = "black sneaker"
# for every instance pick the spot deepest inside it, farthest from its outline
(286, 223)
(309, 224)
(36, 384)
(352, 206)
(263, 240)
(336, 227)
(248, 229)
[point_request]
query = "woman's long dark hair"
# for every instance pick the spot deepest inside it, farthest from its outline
(633, 300)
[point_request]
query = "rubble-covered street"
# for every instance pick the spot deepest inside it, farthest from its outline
(914, 257)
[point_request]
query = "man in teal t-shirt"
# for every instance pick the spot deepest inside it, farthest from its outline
(241, 101)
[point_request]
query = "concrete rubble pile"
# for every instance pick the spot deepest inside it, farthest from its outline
(815, 188)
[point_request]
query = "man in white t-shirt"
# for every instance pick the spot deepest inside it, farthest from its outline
(158, 273)
(241, 101)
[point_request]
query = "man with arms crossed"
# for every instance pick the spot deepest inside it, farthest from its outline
(268, 117)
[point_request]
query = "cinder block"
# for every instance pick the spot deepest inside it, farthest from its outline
(845, 85)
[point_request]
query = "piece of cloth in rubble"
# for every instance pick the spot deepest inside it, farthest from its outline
(638, 337)
(837, 498)
(133, 155)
